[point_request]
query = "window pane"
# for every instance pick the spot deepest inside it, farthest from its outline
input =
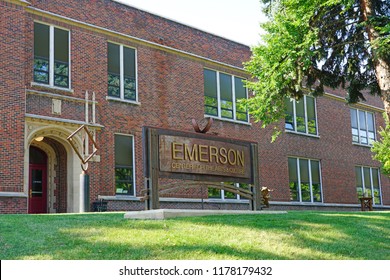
(293, 178)
(41, 40)
(61, 58)
(294, 193)
(229, 195)
(37, 183)
(226, 87)
(210, 83)
(359, 179)
(113, 59)
(124, 181)
(211, 106)
(315, 171)
(240, 91)
(362, 120)
(124, 178)
(289, 119)
(300, 115)
(354, 122)
(129, 62)
(375, 177)
(41, 53)
(214, 193)
(210, 92)
(226, 95)
(292, 170)
(367, 181)
(305, 191)
(304, 170)
(370, 122)
(61, 45)
(123, 150)
(316, 192)
(311, 115)
(311, 110)
(129, 72)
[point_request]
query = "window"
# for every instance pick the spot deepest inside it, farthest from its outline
(122, 78)
(363, 127)
(222, 94)
(222, 194)
(305, 180)
(124, 165)
(51, 56)
(368, 183)
(301, 115)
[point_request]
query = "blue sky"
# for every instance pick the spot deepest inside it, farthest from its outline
(237, 20)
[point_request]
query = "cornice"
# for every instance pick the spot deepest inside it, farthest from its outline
(112, 33)
(18, 2)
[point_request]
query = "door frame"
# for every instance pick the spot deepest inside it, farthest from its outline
(38, 206)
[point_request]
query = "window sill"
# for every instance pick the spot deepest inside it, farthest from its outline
(109, 98)
(362, 145)
(120, 197)
(302, 134)
(69, 90)
(228, 120)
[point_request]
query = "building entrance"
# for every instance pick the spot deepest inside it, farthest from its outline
(37, 202)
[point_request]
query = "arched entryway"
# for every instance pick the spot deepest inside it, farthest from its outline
(52, 170)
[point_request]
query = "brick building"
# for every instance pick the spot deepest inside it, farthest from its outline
(117, 69)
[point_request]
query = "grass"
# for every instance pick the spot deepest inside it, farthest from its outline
(108, 236)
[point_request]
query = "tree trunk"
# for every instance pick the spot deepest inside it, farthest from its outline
(382, 68)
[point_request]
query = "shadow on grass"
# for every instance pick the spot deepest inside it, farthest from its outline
(349, 235)
(296, 235)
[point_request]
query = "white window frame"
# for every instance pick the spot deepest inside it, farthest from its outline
(134, 166)
(51, 57)
(306, 117)
(358, 128)
(371, 183)
(223, 197)
(122, 75)
(220, 117)
(310, 180)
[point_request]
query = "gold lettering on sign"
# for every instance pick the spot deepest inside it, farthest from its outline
(198, 156)
(192, 154)
(205, 153)
(176, 151)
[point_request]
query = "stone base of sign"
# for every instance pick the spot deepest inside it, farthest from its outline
(161, 214)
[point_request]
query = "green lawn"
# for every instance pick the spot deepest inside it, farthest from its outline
(106, 236)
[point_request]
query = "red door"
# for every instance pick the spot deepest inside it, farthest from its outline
(37, 189)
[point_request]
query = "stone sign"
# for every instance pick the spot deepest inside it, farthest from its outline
(204, 156)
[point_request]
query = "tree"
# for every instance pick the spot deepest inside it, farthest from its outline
(312, 44)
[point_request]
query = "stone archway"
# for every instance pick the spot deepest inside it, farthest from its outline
(63, 165)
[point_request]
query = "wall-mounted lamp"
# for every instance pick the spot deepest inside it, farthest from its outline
(39, 139)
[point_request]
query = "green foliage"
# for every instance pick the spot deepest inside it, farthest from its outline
(312, 44)
(381, 148)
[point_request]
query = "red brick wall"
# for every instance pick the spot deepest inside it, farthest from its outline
(170, 90)
(137, 23)
(12, 96)
(13, 205)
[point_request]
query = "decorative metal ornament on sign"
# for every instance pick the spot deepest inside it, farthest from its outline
(88, 137)
(205, 129)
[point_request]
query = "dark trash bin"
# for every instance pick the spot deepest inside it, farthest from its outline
(99, 206)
